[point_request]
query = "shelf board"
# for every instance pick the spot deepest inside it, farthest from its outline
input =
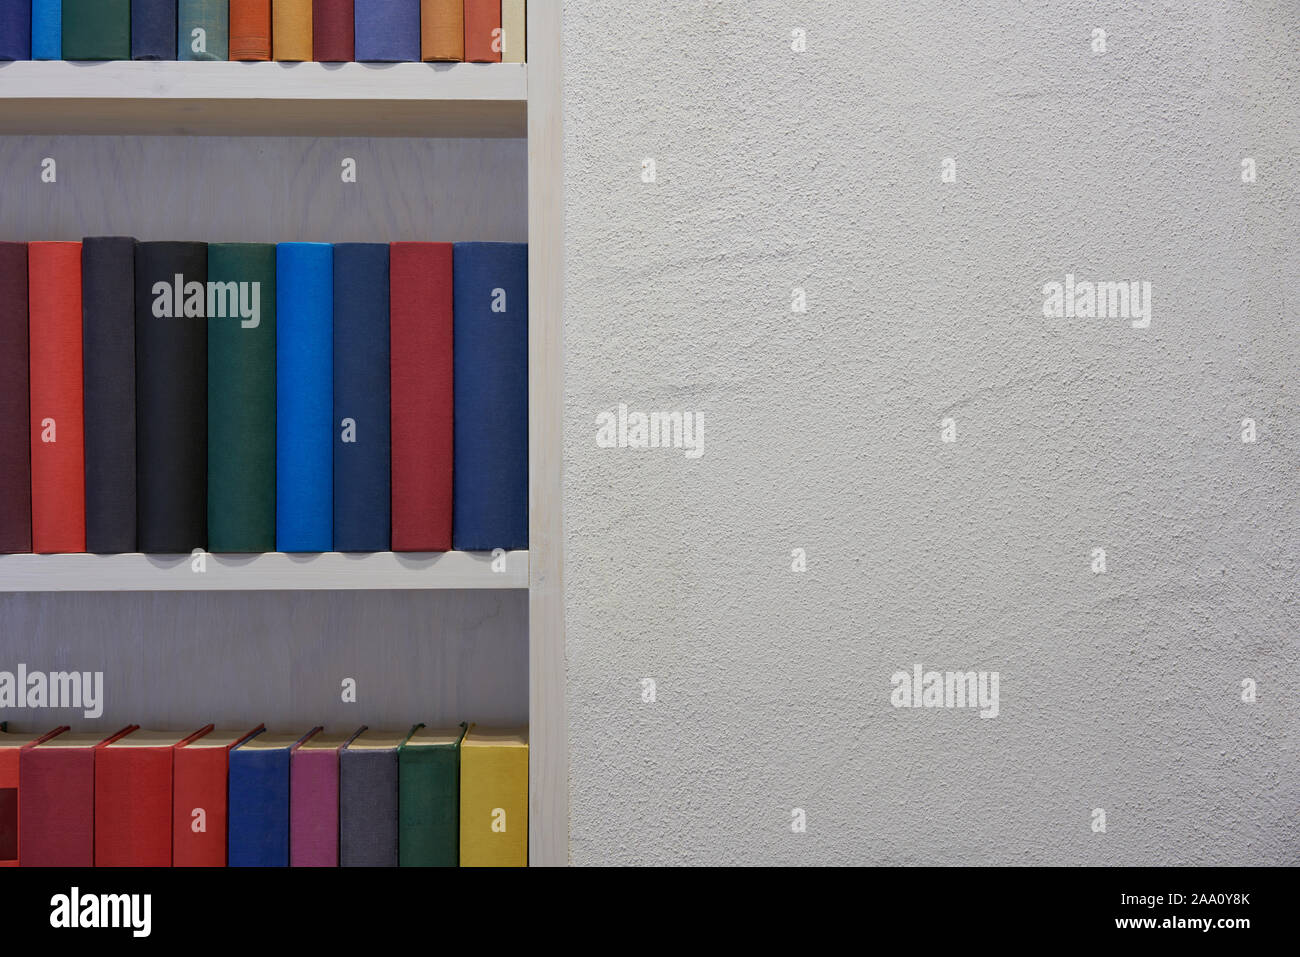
(272, 571)
(223, 98)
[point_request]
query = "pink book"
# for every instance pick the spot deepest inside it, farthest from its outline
(314, 800)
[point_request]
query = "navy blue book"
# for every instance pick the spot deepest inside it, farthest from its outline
(153, 29)
(386, 30)
(15, 29)
(304, 390)
(257, 818)
(362, 504)
(490, 380)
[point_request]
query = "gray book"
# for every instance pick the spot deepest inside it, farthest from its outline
(368, 803)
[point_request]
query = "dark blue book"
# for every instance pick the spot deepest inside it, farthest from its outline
(15, 29)
(257, 818)
(362, 504)
(386, 31)
(153, 29)
(304, 461)
(490, 379)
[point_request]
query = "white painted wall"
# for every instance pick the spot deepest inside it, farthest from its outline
(1119, 691)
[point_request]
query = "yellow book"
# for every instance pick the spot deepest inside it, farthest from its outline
(494, 797)
(514, 31)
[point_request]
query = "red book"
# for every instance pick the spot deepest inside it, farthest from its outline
(11, 745)
(332, 31)
(420, 298)
(56, 790)
(133, 798)
(199, 773)
(483, 31)
(58, 454)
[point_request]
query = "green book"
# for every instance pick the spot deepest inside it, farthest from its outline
(428, 768)
(96, 29)
(241, 397)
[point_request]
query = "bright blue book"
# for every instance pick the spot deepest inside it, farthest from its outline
(386, 31)
(490, 382)
(15, 29)
(257, 816)
(47, 29)
(362, 493)
(304, 368)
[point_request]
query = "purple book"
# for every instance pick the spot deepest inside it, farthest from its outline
(314, 800)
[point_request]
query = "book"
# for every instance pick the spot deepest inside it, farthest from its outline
(56, 792)
(171, 396)
(108, 350)
(153, 29)
(333, 26)
(47, 29)
(133, 798)
(291, 29)
(57, 441)
(429, 797)
(514, 31)
(241, 398)
(483, 31)
(258, 815)
(96, 29)
(304, 465)
(202, 30)
(314, 800)
(362, 489)
(15, 394)
(494, 797)
(387, 31)
(250, 29)
(11, 745)
(16, 29)
(368, 795)
(200, 773)
(421, 321)
(442, 30)
(491, 396)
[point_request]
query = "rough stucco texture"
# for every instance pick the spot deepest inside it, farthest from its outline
(774, 169)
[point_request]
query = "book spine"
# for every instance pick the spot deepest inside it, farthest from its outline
(47, 29)
(250, 29)
(241, 398)
(258, 810)
(16, 32)
(491, 396)
(333, 25)
(153, 29)
(56, 795)
(483, 31)
(9, 807)
(362, 488)
(387, 31)
(133, 804)
(171, 341)
(304, 467)
(108, 350)
(57, 442)
(314, 809)
(422, 395)
(291, 29)
(203, 29)
(15, 394)
(442, 30)
(429, 805)
(96, 29)
(514, 31)
(199, 797)
(494, 807)
(368, 815)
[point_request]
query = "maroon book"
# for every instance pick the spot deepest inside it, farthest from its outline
(332, 31)
(15, 449)
(420, 327)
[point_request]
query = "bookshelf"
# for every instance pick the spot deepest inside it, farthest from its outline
(431, 102)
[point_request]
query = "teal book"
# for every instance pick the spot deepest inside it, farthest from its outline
(203, 30)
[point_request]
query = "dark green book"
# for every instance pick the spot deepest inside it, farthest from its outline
(429, 802)
(96, 29)
(241, 397)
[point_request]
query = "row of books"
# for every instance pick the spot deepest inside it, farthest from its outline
(163, 397)
(387, 31)
(254, 798)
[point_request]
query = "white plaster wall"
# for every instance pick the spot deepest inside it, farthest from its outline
(1119, 691)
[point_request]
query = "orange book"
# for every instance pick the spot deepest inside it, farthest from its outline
(442, 30)
(483, 31)
(11, 744)
(250, 29)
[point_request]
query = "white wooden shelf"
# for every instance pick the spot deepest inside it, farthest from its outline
(203, 98)
(272, 571)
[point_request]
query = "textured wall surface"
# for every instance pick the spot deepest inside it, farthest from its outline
(775, 169)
